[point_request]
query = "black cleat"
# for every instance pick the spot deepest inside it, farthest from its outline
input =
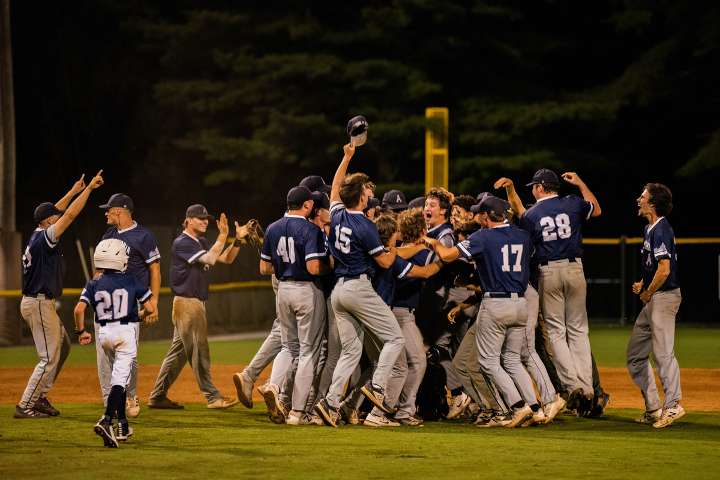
(329, 414)
(105, 429)
(376, 396)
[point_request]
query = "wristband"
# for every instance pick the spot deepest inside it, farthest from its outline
(80, 332)
(237, 242)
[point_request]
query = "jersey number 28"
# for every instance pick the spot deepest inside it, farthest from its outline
(561, 222)
(118, 302)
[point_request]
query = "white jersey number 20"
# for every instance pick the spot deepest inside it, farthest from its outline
(561, 222)
(515, 250)
(118, 302)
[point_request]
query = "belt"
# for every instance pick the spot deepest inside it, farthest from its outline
(571, 260)
(41, 296)
(291, 279)
(102, 323)
(667, 289)
(347, 278)
(503, 295)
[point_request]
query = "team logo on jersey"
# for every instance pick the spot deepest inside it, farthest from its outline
(646, 245)
(649, 261)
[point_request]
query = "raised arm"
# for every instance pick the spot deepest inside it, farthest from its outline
(228, 256)
(574, 179)
(212, 255)
(349, 150)
(75, 207)
(77, 188)
(512, 195)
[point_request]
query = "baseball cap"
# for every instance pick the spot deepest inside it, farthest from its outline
(46, 210)
(321, 200)
(491, 204)
(372, 203)
(357, 129)
(483, 195)
(119, 200)
(543, 176)
(417, 203)
(395, 200)
(299, 195)
(316, 184)
(198, 211)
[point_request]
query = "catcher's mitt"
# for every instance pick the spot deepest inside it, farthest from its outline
(255, 232)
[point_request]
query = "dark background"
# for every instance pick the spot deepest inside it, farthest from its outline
(230, 104)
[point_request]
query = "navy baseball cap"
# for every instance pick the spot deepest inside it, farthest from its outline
(372, 203)
(357, 129)
(119, 200)
(316, 184)
(542, 177)
(491, 204)
(45, 211)
(395, 200)
(299, 195)
(483, 195)
(198, 211)
(417, 203)
(321, 200)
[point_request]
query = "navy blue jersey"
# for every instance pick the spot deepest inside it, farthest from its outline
(354, 240)
(659, 243)
(43, 264)
(554, 226)
(188, 276)
(290, 243)
(443, 233)
(407, 289)
(142, 249)
(502, 257)
(114, 297)
(385, 280)
(326, 282)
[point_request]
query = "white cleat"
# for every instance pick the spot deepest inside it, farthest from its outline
(373, 420)
(517, 416)
(650, 417)
(553, 408)
(458, 403)
(669, 415)
(132, 407)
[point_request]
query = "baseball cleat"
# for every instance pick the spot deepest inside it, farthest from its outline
(537, 418)
(496, 419)
(105, 429)
(294, 418)
(223, 402)
(669, 415)
(483, 417)
(165, 403)
(123, 431)
(600, 405)
(553, 408)
(650, 417)
(349, 415)
(458, 403)
(472, 410)
(517, 416)
(244, 389)
(28, 413)
(409, 422)
(329, 414)
(585, 406)
(377, 396)
(573, 401)
(261, 389)
(373, 420)
(132, 406)
(314, 419)
(272, 400)
(43, 405)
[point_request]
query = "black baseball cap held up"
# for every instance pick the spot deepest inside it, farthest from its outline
(357, 129)
(299, 195)
(542, 177)
(395, 200)
(119, 200)
(45, 211)
(198, 211)
(316, 184)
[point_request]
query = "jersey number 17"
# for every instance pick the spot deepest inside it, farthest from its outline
(515, 250)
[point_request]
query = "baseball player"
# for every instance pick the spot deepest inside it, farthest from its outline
(461, 210)
(654, 329)
(395, 201)
(192, 256)
(114, 296)
(292, 251)
(43, 271)
(355, 246)
(144, 264)
(554, 224)
(502, 257)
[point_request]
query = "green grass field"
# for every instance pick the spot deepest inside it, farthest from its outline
(241, 443)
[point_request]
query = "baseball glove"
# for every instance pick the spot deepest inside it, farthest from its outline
(255, 232)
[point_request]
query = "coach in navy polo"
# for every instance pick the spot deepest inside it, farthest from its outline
(192, 256)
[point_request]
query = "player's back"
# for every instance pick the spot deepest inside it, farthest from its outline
(114, 295)
(554, 225)
(407, 289)
(353, 240)
(142, 249)
(385, 281)
(502, 256)
(290, 243)
(43, 264)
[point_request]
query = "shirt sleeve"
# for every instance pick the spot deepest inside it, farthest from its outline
(472, 247)
(86, 296)
(373, 245)
(266, 251)
(661, 239)
(50, 238)
(336, 207)
(314, 243)
(403, 267)
(446, 238)
(142, 292)
(149, 249)
(586, 208)
(189, 250)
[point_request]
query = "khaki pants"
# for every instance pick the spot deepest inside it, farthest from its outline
(52, 344)
(189, 343)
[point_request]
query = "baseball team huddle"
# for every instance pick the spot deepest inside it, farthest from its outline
(383, 306)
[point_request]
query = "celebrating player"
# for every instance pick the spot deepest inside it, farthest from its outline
(43, 270)
(654, 329)
(114, 296)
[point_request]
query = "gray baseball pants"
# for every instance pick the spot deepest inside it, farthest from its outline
(189, 343)
(448, 335)
(266, 354)
(530, 358)
(301, 310)
(357, 307)
(562, 300)
(416, 362)
(324, 375)
(467, 367)
(105, 369)
(398, 374)
(51, 342)
(654, 331)
(500, 331)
